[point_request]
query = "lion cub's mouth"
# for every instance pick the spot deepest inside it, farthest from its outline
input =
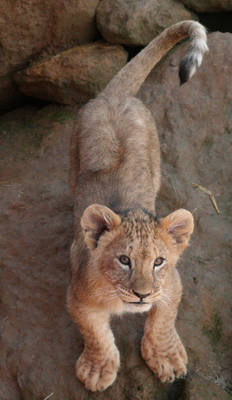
(137, 306)
(127, 298)
(140, 303)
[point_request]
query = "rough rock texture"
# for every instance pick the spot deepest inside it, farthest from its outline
(29, 28)
(73, 76)
(136, 22)
(39, 342)
(208, 5)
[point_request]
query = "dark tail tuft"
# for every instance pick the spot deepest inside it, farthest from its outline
(184, 71)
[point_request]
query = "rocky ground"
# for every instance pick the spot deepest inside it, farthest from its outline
(39, 342)
(65, 51)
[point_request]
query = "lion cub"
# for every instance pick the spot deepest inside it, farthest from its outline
(123, 257)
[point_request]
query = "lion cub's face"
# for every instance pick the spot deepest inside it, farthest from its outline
(135, 253)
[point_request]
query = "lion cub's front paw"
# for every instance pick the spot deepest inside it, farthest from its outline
(97, 374)
(167, 364)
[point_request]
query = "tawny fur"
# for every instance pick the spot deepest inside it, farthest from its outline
(115, 177)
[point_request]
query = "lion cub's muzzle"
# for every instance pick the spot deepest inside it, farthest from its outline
(141, 286)
(141, 296)
(134, 297)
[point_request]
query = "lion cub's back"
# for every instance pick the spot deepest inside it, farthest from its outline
(115, 134)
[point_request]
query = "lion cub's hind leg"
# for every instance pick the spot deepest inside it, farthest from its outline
(161, 347)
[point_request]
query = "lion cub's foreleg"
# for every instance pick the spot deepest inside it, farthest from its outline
(161, 346)
(98, 364)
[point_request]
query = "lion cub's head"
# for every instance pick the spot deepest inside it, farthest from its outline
(135, 252)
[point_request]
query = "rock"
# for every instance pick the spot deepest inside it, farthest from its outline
(39, 342)
(73, 76)
(200, 389)
(137, 23)
(74, 22)
(28, 29)
(208, 5)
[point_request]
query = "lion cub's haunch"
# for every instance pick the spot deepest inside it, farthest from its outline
(123, 257)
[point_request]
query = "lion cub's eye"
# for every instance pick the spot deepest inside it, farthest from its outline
(125, 260)
(158, 261)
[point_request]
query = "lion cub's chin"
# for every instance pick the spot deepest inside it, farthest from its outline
(135, 308)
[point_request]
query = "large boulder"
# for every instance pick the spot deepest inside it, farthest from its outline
(39, 342)
(30, 28)
(73, 76)
(137, 22)
(208, 5)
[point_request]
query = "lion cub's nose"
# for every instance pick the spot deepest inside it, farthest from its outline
(140, 295)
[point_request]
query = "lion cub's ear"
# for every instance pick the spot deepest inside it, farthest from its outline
(179, 225)
(95, 220)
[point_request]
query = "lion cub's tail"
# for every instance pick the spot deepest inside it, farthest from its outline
(130, 78)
